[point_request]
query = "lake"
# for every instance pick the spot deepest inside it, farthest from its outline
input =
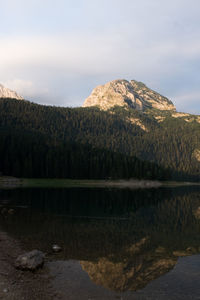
(116, 243)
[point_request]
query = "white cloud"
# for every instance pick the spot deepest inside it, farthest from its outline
(63, 65)
(20, 86)
(95, 55)
(25, 88)
(154, 42)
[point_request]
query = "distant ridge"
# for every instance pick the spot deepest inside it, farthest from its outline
(7, 93)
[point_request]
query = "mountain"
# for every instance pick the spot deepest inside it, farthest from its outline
(127, 94)
(7, 93)
(135, 95)
(120, 141)
(139, 105)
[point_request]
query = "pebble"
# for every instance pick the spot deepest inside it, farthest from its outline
(56, 248)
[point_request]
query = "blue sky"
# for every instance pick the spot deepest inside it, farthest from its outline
(56, 52)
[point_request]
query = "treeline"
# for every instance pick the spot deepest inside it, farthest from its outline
(30, 154)
(170, 144)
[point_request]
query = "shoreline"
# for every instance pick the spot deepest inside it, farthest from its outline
(16, 284)
(7, 182)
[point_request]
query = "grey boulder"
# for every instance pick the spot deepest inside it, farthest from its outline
(30, 260)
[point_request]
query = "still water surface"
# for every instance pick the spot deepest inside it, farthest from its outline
(116, 243)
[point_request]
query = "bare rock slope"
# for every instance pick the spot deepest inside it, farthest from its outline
(7, 93)
(127, 94)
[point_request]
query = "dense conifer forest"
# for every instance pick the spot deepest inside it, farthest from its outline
(44, 141)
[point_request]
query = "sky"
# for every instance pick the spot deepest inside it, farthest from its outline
(56, 52)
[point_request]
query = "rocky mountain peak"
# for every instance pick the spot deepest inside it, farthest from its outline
(7, 93)
(127, 94)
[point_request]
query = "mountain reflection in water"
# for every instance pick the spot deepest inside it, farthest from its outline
(123, 239)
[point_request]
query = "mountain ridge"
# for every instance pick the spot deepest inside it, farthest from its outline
(172, 144)
(165, 137)
(7, 93)
(135, 95)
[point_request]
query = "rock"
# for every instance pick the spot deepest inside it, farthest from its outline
(7, 93)
(56, 248)
(30, 261)
(127, 94)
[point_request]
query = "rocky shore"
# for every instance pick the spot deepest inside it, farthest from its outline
(16, 284)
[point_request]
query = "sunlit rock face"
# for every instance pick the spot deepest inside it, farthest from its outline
(127, 94)
(186, 117)
(7, 93)
(137, 122)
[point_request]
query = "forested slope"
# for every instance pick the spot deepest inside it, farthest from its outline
(170, 144)
(36, 141)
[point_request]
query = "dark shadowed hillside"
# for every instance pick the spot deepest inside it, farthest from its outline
(99, 142)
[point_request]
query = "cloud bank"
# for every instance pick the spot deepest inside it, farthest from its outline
(157, 43)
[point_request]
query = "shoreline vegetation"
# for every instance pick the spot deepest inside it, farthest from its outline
(7, 182)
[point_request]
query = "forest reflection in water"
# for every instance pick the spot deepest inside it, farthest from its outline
(123, 239)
